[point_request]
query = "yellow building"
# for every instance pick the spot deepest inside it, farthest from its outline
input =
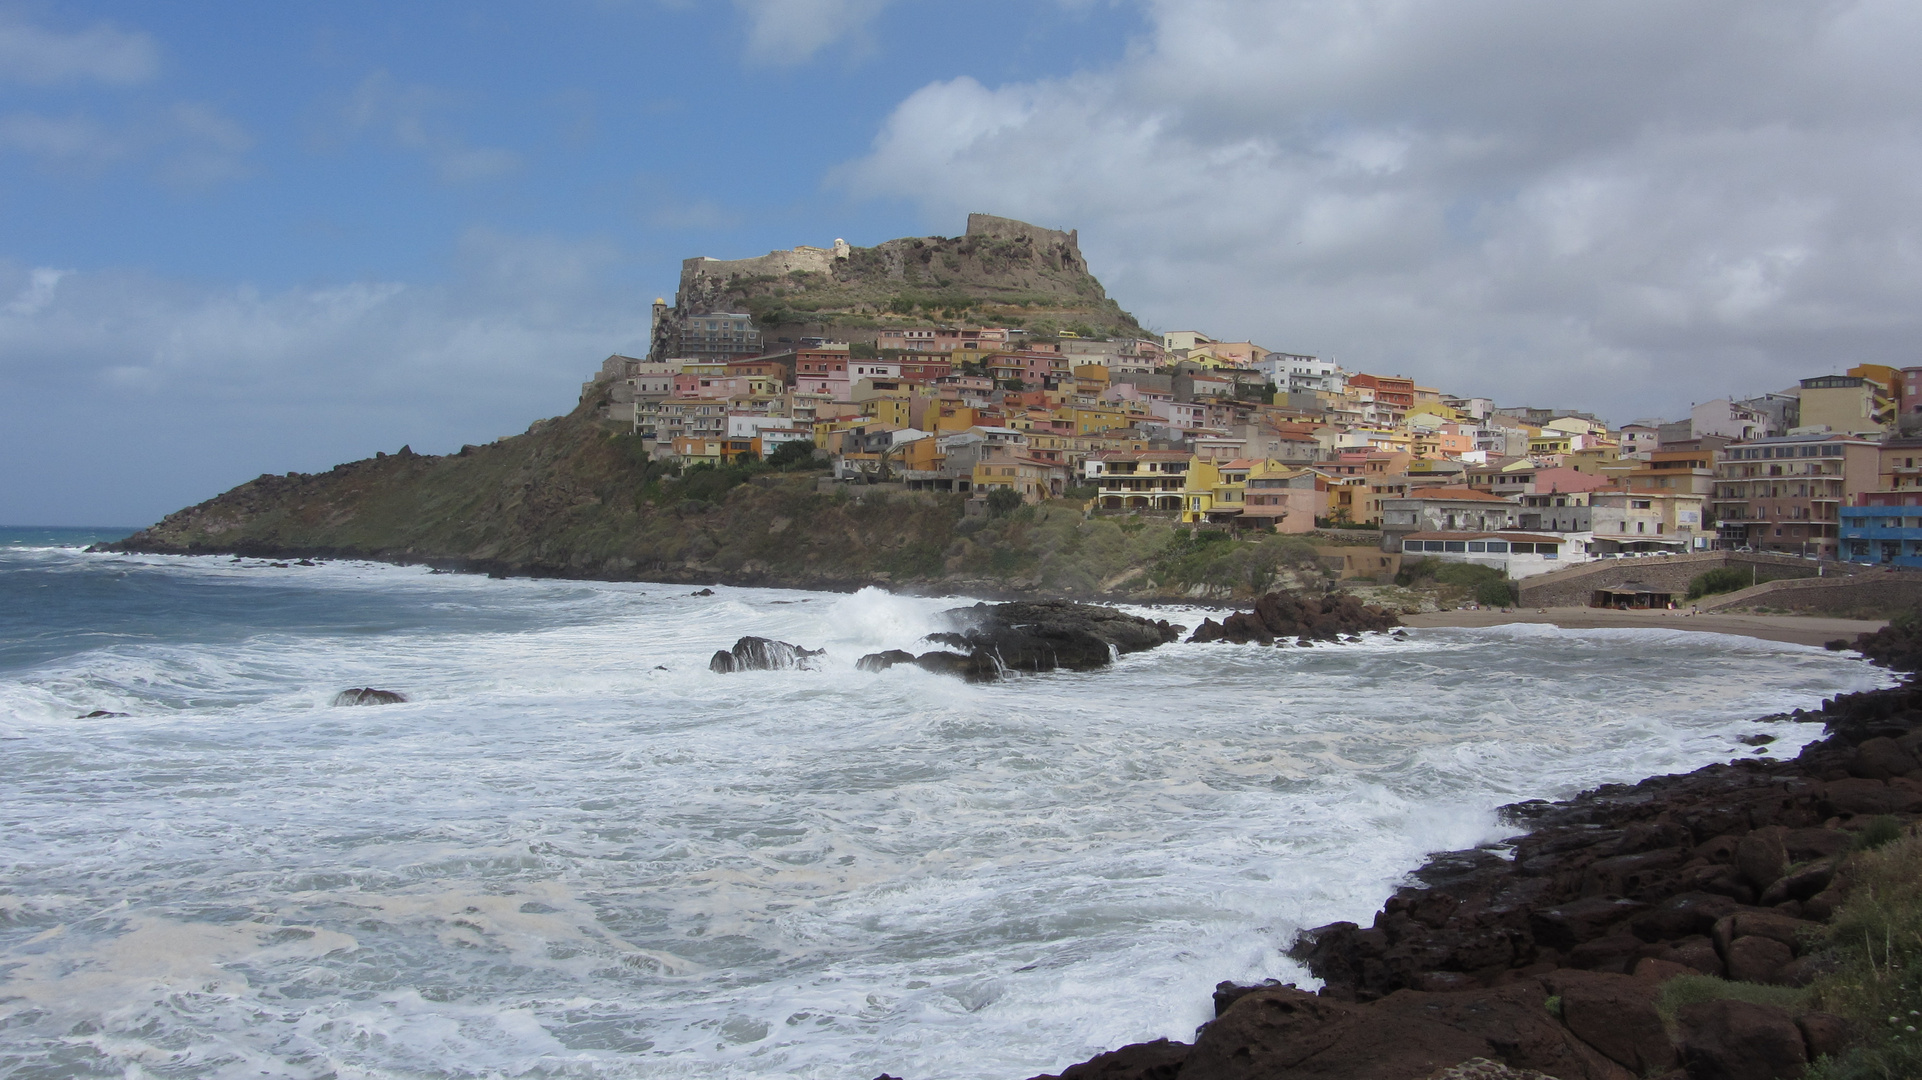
(1090, 421)
(1214, 491)
(1848, 404)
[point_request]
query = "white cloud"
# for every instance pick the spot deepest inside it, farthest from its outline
(188, 144)
(139, 395)
(792, 31)
(1626, 206)
(101, 53)
(409, 117)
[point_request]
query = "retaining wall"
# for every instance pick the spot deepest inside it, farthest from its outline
(1877, 595)
(1576, 585)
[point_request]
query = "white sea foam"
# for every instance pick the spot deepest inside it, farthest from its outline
(576, 851)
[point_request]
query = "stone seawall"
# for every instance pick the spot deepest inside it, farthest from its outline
(1576, 585)
(1862, 596)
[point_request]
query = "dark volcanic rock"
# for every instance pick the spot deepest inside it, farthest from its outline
(881, 661)
(1729, 870)
(367, 695)
(1736, 1040)
(763, 654)
(1158, 1060)
(104, 714)
(1037, 637)
(1285, 614)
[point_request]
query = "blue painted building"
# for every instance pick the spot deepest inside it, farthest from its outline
(1883, 534)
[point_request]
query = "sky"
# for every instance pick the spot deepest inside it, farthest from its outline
(247, 238)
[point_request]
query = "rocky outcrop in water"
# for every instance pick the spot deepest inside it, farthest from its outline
(763, 654)
(1291, 615)
(1548, 956)
(367, 695)
(995, 639)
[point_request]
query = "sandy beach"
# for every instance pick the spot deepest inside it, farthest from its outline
(1802, 630)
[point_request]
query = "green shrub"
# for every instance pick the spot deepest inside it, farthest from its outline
(1886, 829)
(1003, 501)
(794, 454)
(1496, 594)
(1694, 989)
(1722, 579)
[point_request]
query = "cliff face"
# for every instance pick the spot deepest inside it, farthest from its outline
(1002, 272)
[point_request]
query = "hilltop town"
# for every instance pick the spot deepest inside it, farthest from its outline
(1240, 437)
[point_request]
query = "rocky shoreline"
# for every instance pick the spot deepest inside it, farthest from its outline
(1546, 955)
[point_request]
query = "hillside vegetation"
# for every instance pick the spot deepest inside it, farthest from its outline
(568, 499)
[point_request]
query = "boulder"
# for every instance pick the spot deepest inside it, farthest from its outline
(1157, 1060)
(1824, 1034)
(1046, 636)
(1571, 924)
(1788, 931)
(367, 695)
(764, 654)
(1762, 856)
(1881, 758)
(1756, 959)
(1280, 614)
(1616, 1015)
(1737, 1040)
(1275, 1033)
(881, 661)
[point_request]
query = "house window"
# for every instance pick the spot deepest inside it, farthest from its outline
(1497, 546)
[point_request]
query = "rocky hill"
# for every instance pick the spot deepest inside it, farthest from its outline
(1001, 272)
(570, 499)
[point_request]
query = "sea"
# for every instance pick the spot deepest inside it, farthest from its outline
(575, 851)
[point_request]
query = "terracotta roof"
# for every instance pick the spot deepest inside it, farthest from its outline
(1456, 494)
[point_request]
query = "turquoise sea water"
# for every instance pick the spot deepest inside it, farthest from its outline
(576, 852)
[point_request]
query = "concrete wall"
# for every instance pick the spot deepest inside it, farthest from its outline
(1575, 586)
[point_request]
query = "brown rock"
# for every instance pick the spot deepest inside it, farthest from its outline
(1656, 970)
(1616, 952)
(1158, 1060)
(1823, 904)
(1756, 959)
(1860, 795)
(1789, 931)
(1825, 1034)
(1805, 844)
(1735, 1040)
(1683, 915)
(1285, 1034)
(1762, 856)
(1700, 954)
(1569, 925)
(1804, 970)
(1880, 759)
(1616, 1015)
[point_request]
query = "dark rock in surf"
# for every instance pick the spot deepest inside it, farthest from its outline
(1158, 1060)
(702, 592)
(101, 714)
(881, 661)
(1334, 617)
(763, 654)
(1042, 636)
(367, 695)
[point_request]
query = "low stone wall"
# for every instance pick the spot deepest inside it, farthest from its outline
(1863, 596)
(1576, 585)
